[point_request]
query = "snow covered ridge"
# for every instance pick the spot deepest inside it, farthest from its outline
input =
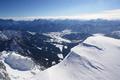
(98, 59)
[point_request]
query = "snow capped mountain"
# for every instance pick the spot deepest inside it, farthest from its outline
(114, 34)
(37, 46)
(24, 54)
(97, 58)
(44, 25)
(59, 50)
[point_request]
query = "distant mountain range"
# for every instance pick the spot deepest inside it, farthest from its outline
(43, 25)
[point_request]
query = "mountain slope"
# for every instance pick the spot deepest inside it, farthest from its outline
(43, 49)
(27, 53)
(96, 59)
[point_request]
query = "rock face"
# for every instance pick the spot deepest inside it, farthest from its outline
(3, 72)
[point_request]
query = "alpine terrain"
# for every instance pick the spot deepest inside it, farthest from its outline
(55, 49)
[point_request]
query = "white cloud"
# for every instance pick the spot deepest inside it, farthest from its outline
(108, 14)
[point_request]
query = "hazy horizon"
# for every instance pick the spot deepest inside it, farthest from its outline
(62, 9)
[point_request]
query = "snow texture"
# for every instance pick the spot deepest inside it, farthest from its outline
(17, 66)
(19, 62)
(96, 59)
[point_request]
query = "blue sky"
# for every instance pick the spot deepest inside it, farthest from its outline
(28, 8)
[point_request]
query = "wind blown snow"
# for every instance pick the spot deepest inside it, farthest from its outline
(95, 59)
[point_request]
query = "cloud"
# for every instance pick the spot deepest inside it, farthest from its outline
(107, 14)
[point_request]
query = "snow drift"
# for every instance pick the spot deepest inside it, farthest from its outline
(17, 66)
(19, 62)
(95, 59)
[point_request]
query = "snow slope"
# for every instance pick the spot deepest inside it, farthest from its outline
(96, 59)
(17, 66)
(19, 62)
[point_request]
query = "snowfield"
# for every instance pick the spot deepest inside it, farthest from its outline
(18, 67)
(57, 37)
(98, 58)
(19, 62)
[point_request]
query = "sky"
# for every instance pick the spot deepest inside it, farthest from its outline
(59, 8)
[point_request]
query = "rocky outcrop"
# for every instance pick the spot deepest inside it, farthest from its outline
(3, 72)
